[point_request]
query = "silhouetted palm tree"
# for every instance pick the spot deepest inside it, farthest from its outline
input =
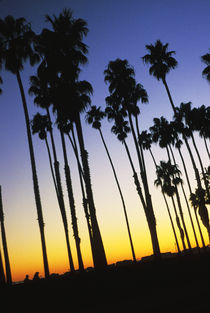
(94, 117)
(125, 93)
(121, 130)
(200, 121)
(40, 125)
(145, 139)
(168, 181)
(71, 197)
(63, 52)
(206, 72)
(162, 132)
(161, 62)
(4, 241)
(185, 116)
(197, 201)
(17, 47)
(177, 143)
(80, 96)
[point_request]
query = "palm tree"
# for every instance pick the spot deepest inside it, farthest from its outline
(41, 125)
(161, 131)
(121, 130)
(161, 62)
(70, 127)
(71, 198)
(125, 93)
(177, 142)
(17, 47)
(164, 132)
(94, 117)
(145, 140)
(197, 201)
(63, 52)
(206, 60)
(168, 181)
(4, 241)
(184, 115)
(201, 123)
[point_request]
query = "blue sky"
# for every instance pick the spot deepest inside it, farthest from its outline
(117, 29)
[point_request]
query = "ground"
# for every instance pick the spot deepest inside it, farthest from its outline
(177, 284)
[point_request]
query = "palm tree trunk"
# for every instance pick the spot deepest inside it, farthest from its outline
(84, 198)
(149, 211)
(4, 242)
(138, 188)
(60, 196)
(72, 203)
(167, 206)
(121, 195)
(135, 176)
(2, 276)
(35, 179)
(185, 197)
(169, 94)
(171, 220)
(182, 217)
(51, 167)
(99, 255)
(202, 168)
(178, 224)
(207, 149)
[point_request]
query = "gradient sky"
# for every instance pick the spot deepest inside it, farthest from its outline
(117, 29)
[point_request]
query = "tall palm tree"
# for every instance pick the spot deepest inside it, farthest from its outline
(163, 132)
(17, 47)
(145, 139)
(185, 116)
(206, 60)
(121, 130)
(94, 117)
(162, 62)
(71, 198)
(41, 125)
(125, 93)
(201, 123)
(196, 201)
(63, 52)
(168, 181)
(4, 241)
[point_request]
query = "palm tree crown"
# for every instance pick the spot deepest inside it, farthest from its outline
(206, 72)
(17, 41)
(160, 59)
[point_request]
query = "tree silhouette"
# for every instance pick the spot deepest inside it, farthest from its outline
(63, 51)
(17, 46)
(125, 93)
(206, 60)
(185, 116)
(168, 180)
(145, 139)
(161, 62)
(41, 125)
(4, 241)
(94, 117)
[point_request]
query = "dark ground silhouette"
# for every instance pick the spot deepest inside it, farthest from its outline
(178, 284)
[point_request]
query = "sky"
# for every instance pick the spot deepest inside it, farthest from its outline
(117, 29)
